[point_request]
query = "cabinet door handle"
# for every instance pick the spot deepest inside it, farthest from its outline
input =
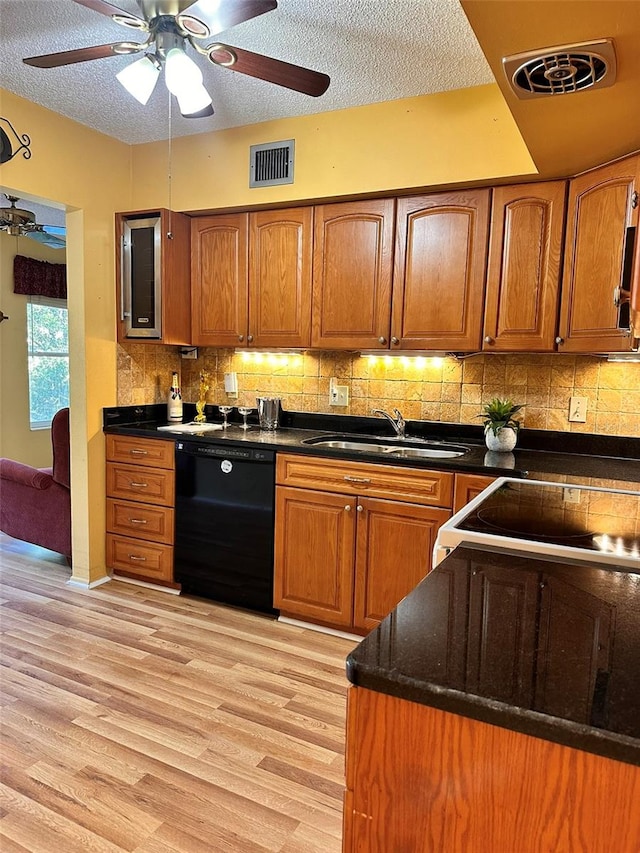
(356, 479)
(620, 296)
(347, 508)
(137, 521)
(488, 339)
(240, 337)
(135, 452)
(395, 340)
(559, 340)
(382, 340)
(138, 485)
(360, 508)
(135, 557)
(249, 339)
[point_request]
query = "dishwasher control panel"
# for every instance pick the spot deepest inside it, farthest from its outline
(249, 453)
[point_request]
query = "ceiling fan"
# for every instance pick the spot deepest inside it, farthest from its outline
(22, 223)
(172, 25)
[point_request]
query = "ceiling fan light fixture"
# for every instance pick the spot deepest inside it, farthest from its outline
(140, 78)
(184, 80)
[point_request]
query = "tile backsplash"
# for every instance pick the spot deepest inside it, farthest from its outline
(424, 388)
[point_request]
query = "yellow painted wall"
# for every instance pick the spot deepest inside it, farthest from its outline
(452, 137)
(90, 175)
(17, 440)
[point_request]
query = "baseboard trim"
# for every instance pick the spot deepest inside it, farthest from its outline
(320, 628)
(146, 585)
(88, 584)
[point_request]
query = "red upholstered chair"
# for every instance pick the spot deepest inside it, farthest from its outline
(35, 503)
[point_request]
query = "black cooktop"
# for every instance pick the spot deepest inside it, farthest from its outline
(588, 518)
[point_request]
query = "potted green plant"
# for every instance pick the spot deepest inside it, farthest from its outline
(500, 426)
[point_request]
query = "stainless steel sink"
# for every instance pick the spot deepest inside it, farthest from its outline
(408, 449)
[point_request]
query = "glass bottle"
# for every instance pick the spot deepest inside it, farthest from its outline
(174, 400)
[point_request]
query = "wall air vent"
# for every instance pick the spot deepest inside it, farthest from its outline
(561, 70)
(272, 164)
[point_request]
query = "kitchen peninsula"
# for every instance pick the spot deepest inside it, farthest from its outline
(497, 708)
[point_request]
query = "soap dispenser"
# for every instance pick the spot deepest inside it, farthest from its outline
(174, 400)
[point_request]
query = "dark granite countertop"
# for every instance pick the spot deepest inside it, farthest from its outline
(540, 454)
(543, 647)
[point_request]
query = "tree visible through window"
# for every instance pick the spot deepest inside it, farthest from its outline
(48, 351)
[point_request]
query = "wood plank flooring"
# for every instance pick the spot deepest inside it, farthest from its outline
(137, 721)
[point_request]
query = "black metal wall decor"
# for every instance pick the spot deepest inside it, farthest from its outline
(7, 147)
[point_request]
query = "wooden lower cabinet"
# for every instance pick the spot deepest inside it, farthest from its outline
(345, 559)
(423, 780)
(394, 543)
(467, 487)
(140, 508)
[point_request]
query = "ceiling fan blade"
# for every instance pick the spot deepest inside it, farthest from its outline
(225, 14)
(272, 70)
(119, 15)
(47, 239)
(83, 54)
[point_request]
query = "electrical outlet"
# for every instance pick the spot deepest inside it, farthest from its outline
(189, 352)
(578, 409)
(338, 394)
(571, 496)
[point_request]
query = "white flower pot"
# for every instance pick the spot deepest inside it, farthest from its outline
(503, 442)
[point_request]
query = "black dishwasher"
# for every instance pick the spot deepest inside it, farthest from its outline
(224, 524)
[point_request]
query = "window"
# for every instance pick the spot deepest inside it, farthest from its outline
(48, 351)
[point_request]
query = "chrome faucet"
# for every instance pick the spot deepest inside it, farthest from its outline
(398, 423)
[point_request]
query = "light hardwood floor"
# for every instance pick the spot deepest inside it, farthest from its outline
(137, 721)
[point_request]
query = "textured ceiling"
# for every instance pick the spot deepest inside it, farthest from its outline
(373, 50)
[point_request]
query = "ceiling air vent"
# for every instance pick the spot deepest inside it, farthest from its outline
(563, 69)
(272, 164)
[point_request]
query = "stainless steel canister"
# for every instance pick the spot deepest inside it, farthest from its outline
(268, 412)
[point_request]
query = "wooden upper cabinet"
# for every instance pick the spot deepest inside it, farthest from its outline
(352, 269)
(439, 273)
(523, 274)
(280, 257)
(219, 279)
(601, 212)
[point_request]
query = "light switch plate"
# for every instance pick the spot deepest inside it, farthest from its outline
(338, 394)
(231, 384)
(578, 409)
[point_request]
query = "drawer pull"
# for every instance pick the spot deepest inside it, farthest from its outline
(357, 479)
(135, 557)
(135, 452)
(137, 521)
(138, 485)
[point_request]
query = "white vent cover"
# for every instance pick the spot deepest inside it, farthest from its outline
(563, 69)
(271, 164)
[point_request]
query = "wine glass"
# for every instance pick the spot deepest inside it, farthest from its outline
(225, 411)
(245, 411)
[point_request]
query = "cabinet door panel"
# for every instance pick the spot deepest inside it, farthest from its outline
(280, 255)
(314, 541)
(219, 279)
(600, 210)
(353, 246)
(523, 279)
(439, 275)
(393, 553)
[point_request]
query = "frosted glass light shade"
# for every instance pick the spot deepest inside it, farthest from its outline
(140, 78)
(184, 80)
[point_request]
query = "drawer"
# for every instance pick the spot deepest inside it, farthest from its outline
(141, 521)
(414, 485)
(145, 560)
(154, 453)
(138, 483)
